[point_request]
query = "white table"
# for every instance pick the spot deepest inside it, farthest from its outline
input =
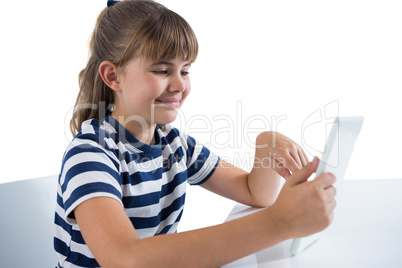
(366, 232)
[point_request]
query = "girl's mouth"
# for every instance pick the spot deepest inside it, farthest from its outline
(171, 103)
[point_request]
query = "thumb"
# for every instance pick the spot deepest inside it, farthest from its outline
(303, 174)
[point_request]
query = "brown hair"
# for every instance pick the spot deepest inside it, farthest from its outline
(124, 31)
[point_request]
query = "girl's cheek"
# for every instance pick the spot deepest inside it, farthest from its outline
(185, 94)
(187, 91)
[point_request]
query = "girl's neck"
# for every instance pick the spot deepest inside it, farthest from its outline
(142, 131)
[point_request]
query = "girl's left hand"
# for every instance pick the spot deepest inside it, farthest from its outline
(278, 152)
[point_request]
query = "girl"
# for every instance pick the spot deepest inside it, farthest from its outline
(123, 178)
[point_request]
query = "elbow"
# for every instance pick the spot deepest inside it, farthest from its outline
(265, 204)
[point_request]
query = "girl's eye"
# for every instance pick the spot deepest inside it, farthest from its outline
(166, 72)
(161, 72)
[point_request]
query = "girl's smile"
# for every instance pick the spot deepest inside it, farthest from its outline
(171, 103)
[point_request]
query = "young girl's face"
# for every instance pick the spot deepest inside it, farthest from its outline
(152, 92)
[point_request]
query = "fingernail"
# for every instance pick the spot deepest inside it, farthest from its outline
(315, 160)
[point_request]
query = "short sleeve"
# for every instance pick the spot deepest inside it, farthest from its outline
(201, 162)
(88, 171)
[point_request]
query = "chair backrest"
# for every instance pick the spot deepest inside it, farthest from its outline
(26, 223)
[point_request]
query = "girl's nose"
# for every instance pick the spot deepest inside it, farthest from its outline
(177, 84)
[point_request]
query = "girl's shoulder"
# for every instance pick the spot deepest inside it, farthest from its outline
(94, 135)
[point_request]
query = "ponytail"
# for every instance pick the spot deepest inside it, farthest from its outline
(94, 95)
(95, 98)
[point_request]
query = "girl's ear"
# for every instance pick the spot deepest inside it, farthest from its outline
(109, 73)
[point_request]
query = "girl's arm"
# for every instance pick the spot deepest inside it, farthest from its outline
(114, 242)
(275, 156)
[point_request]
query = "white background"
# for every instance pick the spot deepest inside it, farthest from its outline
(262, 65)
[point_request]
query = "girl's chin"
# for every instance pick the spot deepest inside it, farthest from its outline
(166, 117)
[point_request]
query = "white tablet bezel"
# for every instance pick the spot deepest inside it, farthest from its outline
(335, 159)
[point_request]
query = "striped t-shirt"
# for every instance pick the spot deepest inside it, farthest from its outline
(149, 181)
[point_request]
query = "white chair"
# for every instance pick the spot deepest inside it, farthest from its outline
(26, 223)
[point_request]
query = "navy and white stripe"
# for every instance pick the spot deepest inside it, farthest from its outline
(148, 180)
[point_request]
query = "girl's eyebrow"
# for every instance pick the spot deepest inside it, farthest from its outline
(168, 63)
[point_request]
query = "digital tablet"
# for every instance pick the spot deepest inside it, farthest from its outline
(335, 159)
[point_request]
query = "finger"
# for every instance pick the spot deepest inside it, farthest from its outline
(332, 204)
(303, 157)
(330, 211)
(330, 192)
(291, 163)
(280, 168)
(325, 180)
(283, 172)
(303, 174)
(296, 157)
(328, 195)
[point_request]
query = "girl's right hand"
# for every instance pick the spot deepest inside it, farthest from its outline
(305, 207)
